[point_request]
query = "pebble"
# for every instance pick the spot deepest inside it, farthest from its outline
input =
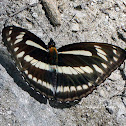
(75, 27)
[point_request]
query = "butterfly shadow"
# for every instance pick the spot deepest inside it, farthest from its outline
(11, 69)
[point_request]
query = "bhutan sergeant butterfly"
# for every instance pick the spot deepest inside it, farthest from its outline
(65, 74)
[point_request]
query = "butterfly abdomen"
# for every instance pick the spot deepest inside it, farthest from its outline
(53, 56)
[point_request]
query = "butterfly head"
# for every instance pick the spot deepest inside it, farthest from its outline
(51, 43)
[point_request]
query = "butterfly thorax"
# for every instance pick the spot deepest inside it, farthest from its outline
(52, 55)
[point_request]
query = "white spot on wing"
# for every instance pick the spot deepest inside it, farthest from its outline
(114, 51)
(85, 86)
(114, 47)
(115, 59)
(29, 76)
(39, 81)
(72, 88)
(44, 66)
(79, 88)
(33, 62)
(49, 86)
(59, 70)
(20, 36)
(87, 69)
(31, 43)
(79, 70)
(104, 65)
(44, 83)
(102, 56)
(11, 28)
(77, 52)
(96, 46)
(10, 32)
(21, 54)
(18, 40)
(28, 58)
(111, 62)
(90, 84)
(67, 70)
(66, 89)
(22, 33)
(26, 72)
(8, 39)
(38, 64)
(16, 49)
(98, 69)
(35, 79)
(73, 71)
(59, 89)
(101, 51)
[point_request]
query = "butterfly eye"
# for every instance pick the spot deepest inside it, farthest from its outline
(65, 74)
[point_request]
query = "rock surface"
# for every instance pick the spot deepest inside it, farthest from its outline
(94, 20)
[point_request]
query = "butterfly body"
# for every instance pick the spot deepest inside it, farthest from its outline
(65, 74)
(53, 56)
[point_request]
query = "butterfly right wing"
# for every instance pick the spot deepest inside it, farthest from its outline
(83, 66)
(30, 54)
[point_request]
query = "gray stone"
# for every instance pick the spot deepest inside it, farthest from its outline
(98, 21)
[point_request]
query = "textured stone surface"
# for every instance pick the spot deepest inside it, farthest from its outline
(97, 21)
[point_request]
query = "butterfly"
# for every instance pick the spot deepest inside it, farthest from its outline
(65, 74)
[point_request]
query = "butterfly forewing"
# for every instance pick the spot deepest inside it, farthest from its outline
(76, 71)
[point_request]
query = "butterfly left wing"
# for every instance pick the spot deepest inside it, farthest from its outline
(83, 66)
(30, 54)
